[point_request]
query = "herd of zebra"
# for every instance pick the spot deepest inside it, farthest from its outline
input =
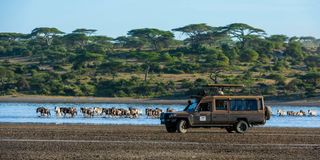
(98, 111)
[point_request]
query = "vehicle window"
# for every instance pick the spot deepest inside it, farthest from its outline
(221, 104)
(252, 105)
(243, 105)
(204, 106)
(191, 106)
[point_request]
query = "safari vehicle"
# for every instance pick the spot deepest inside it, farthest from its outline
(234, 113)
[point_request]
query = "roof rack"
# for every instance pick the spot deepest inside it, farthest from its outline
(215, 89)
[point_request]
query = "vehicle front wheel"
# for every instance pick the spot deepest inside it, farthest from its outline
(182, 126)
(171, 128)
(241, 127)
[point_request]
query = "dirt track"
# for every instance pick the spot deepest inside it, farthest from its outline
(26, 141)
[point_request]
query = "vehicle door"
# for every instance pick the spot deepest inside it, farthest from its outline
(202, 114)
(220, 113)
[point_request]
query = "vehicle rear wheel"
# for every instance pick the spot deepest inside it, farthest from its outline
(171, 128)
(182, 126)
(229, 129)
(241, 127)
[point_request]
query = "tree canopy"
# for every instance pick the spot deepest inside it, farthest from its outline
(150, 62)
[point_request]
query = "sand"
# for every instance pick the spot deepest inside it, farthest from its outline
(39, 141)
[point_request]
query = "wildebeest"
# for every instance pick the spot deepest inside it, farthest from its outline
(58, 111)
(302, 113)
(153, 112)
(290, 113)
(125, 112)
(170, 110)
(134, 112)
(87, 112)
(43, 111)
(72, 111)
(157, 112)
(299, 113)
(148, 112)
(312, 113)
(281, 112)
(98, 110)
(107, 111)
(121, 112)
(117, 112)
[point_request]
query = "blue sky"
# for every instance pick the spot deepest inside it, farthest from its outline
(116, 17)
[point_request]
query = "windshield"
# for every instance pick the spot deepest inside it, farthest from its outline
(191, 105)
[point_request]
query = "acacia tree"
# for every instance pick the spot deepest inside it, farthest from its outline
(6, 75)
(312, 62)
(84, 31)
(278, 40)
(46, 33)
(129, 42)
(242, 32)
(76, 39)
(11, 36)
(101, 43)
(80, 37)
(199, 34)
(217, 63)
(294, 50)
(157, 38)
(313, 78)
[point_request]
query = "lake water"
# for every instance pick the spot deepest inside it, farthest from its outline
(26, 113)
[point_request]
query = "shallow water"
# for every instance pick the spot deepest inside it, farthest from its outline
(26, 113)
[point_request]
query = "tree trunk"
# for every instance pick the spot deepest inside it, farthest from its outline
(146, 73)
(214, 76)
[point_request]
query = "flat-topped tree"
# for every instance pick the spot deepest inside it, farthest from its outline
(278, 40)
(201, 33)
(155, 37)
(102, 42)
(46, 33)
(76, 40)
(84, 31)
(217, 63)
(12, 36)
(129, 42)
(242, 32)
(194, 29)
(310, 43)
(312, 78)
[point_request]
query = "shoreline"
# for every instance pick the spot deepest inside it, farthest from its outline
(128, 100)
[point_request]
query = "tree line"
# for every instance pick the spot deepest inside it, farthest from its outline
(50, 62)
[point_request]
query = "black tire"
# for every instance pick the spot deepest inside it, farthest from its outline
(241, 127)
(182, 126)
(230, 129)
(171, 128)
(268, 112)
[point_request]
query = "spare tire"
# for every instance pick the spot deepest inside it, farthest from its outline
(268, 112)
